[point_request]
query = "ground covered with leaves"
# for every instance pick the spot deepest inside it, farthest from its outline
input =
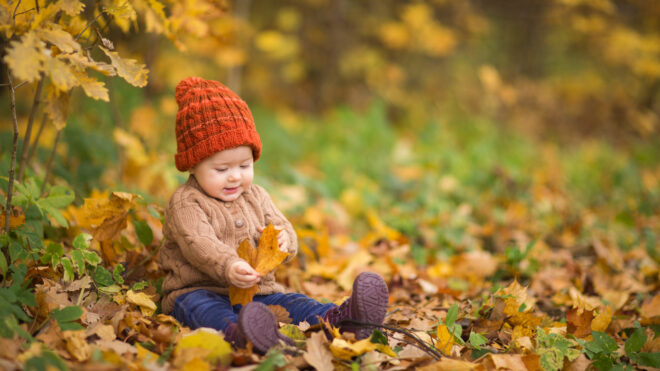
(499, 253)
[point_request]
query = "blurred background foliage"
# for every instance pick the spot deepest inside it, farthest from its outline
(462, 124)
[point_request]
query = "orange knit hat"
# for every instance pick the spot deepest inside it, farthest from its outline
(211, 118)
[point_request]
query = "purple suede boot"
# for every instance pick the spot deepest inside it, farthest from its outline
(368, 303)
(258, 324)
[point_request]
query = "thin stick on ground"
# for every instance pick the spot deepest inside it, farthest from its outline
(28, 130)
(10, 187)
(421, 344)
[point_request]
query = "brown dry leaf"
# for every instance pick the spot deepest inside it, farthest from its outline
(504, 362)
(264, 259)
(318, 355)
(448, 364)
(651, 308)
(281, 314)
(579, 324)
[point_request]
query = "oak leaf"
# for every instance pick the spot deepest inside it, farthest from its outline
(318, 355)
(129, 69)
(71, 7)
(60, 74)
(345, 350)
(92, 87)
(63, 40)
(264, 259)
(25, 57)
(147, 306)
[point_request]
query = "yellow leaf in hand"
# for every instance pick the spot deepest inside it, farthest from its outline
(266, 258)
(269, 255)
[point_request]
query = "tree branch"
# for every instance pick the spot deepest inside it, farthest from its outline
(10, 187)
(35, 142)
(49, 167)
(28, 130)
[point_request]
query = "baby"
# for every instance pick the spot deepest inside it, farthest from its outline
(217, 208)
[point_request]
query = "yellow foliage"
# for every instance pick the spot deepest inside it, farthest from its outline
(92, 87)
(204, 343)
(342, 349)
(25, 57)
(106, 217)
(142, 300)
(445, 339)
(134, 73)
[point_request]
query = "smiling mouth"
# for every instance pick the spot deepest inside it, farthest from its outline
(230, 190)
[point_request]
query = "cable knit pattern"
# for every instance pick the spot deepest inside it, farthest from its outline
(202, 234)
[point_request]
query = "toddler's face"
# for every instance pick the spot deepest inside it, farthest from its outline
(226, 174)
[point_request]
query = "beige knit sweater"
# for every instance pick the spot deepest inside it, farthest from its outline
(202, 234)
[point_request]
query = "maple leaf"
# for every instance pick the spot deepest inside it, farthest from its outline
(129, 69)
(264, 259)
(106, 217)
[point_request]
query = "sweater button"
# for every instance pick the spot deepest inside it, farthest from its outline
(239, 223)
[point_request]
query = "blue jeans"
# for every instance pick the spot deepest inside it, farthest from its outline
(203, 308)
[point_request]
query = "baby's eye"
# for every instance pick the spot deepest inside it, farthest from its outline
(245, 166)
(221, 170)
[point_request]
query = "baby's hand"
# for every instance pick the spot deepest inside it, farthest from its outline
(242, 275)
(282, 238)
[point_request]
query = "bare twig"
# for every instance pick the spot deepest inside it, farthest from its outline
(28, 129)
(35, 141)
(25, 11)
(18, 3)
(36, 5)
(88, 25)
(49, 167)
(421, 344)
(10, 187)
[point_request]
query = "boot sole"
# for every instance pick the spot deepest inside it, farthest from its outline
(371, 300)
(259, 325)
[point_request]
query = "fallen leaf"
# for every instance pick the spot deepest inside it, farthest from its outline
(318, 355)
(651, 308)
(445, 339)
(76, 345)
(448, 364)
(142, 300)
(345, 350)
(579, 324)
(208, 342)
(281, 314)
(603, 319)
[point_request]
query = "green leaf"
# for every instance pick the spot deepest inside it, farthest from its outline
(59, 197)
(636, 341)
(144, 232)
(68, 269)
(81, 242)
(3, 264)
(647, 359)
(452, 314)
(477, 340)
(70, 326)
(67, 314)
(102, 277)
(274, 359)
(91, 257)
(604, 341)
(77, 257)
(137, 286)
(116, 273)
(56, 214)
(378, 337)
